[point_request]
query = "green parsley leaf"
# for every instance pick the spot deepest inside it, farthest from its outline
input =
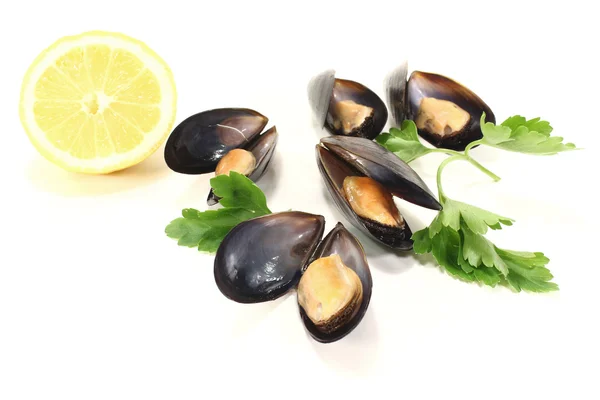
(207, 229)
(421, 241)
(523, 136)
(477, 249)
(241, 200)
(445, 249)
(236, 190)
(467, 255)
(477, 219)
(403, 142)
(527, 271)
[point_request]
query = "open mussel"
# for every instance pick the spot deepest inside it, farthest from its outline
(362, 176)
(251, 161)
(346, 107)
(264, 258)
(221, 140)
(446, 113)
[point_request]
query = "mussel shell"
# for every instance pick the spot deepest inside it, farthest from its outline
(396, 93)
(263, 148)
(198, 143)
(262, 258)
(378, 163)
(320, 88)
(333, 170)
(325, 91)
(340, 241)
(423, 84)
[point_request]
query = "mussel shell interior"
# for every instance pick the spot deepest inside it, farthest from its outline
(263, 148)
(378, 163)
(340, 241)
(344, 90)
(334, 170)
(422, 84)
(198, 143)
(262, 258)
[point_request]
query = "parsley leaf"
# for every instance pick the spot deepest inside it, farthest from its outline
(241, 200)
(207, 229)
(456, 241)
(477, 219)
(523, 136)
(477, 250)
(527, 271)
(236, 190)
(403, 142)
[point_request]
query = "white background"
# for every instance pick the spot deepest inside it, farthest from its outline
(96, 303)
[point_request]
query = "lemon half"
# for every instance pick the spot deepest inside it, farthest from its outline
(98, 102)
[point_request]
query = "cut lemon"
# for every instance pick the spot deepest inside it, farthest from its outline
(98, 102)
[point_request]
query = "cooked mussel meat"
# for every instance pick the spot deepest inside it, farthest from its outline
(362, 176)
(446, 113)
(345, 107)
(251, 161)
(197, 144)
(335, 290)
(221, 140)
(330, 293)
(264, 258)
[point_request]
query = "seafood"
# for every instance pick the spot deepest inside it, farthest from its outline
(346, 107)
(266, 257)
(446, 113)
(362, 176)
(202, 143)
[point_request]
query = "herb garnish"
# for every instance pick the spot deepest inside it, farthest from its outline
(456, 236)
(241, 200)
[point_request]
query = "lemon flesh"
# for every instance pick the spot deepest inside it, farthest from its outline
(98, 102)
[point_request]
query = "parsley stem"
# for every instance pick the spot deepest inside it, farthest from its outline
(471, 145)
(448, 160)
(468, 158)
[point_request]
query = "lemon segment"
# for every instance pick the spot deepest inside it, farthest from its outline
(98, 102)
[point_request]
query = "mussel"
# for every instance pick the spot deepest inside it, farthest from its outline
(446, 113)
(262, 259)
(222, 140)
(362, 176)
(346, 107)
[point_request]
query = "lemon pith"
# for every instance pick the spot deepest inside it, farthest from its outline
(98, 102)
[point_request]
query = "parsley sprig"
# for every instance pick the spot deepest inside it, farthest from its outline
(456, 237)
(241, 200)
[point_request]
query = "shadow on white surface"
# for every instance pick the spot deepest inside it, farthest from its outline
(249, 316)
(50, 178)
(269, 182)
(355, 354)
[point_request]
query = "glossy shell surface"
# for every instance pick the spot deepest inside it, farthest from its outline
(339, 157)
(422, 84)
(198, 143)
(326, 91)
(262, 258)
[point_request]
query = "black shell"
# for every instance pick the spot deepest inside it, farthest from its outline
(263, 148)
(198, 143)
(404, 99)
(340, 241)
(378, 163)
(325, 91)
(339, 157)
(262, 258)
